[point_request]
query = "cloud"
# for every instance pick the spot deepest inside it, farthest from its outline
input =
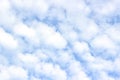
(108, 50)
(13, 72)
(59, 40)
(51, 71)
(4, 37)
(50, 37)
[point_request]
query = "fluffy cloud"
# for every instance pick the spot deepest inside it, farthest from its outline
(59, 40)
(13, 73)
(7, 40)
(50, 37)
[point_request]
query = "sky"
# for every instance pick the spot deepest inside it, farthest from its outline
(59, 40)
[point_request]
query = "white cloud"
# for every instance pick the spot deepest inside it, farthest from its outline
(54, 72)
(104, 46)
(7, 40)
(24, 30)
(59, 40)
(113, 34)
(6, 14)
(13, 73)
(89, 31)
(40, 7)
(41, 55)
(3, 60)
(81, 47)
(100, 65)
(117, 65)
(27, 32)
(34, 78)
(17, 73)
(50, 36)
(105, 76)
(103, 41)
(76, 72)
(28, 60)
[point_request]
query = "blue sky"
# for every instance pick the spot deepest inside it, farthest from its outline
(59, 40)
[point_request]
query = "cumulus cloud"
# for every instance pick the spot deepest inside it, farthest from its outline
(12, 73)
(7, 40)
(59, 40)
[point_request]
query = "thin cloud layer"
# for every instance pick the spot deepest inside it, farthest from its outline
(59, 40)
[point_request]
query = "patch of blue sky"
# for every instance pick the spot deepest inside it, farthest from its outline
(51, 22)
(55, 20)
(115, 19)
(114, 74)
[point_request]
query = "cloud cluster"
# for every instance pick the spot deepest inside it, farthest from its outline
(59, 40)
